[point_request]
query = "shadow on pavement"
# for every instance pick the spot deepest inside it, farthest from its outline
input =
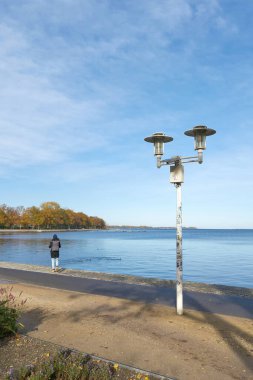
(31, 319)
(113, 314)
(230, 334)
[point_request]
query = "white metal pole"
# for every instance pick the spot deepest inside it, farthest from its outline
(179, 251)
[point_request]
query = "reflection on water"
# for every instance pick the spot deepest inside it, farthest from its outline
(212, 256)
(91, 258)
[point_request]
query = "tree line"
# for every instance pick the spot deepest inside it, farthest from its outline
(48, 215)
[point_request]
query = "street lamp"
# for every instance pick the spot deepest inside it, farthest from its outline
(177, 178)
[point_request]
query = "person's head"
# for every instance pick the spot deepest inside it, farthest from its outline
(55, 237)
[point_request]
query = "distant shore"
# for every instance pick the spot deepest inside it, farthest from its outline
(148, 227)
(48, 230)
(108, 228)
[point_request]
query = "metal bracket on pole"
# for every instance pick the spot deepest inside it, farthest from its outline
(177, 173)
(176, 160)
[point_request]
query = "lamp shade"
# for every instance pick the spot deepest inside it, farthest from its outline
(158, 139)
(199, 133)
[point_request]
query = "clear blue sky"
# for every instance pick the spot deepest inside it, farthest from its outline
(84, 81)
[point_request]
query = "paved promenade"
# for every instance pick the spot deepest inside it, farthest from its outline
(193, 300)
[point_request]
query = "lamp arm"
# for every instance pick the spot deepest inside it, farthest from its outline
(183, 160)
(198, 158)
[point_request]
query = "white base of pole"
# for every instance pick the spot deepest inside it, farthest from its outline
(180, 299)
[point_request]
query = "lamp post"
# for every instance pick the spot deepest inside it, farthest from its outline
(177, 178)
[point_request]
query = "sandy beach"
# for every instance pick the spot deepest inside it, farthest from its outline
(197, 345)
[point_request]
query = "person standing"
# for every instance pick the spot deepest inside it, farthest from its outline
(55, 246)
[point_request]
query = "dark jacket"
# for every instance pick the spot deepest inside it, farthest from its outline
(55, 246)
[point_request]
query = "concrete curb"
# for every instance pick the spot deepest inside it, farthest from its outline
(154, 375)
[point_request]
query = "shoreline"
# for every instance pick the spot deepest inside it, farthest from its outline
(115, 228)
(137, 280)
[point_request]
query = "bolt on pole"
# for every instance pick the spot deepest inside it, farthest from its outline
(179, 286)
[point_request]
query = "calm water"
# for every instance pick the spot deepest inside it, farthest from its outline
(211, 256)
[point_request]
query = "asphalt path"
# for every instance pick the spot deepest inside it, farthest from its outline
(206, 302)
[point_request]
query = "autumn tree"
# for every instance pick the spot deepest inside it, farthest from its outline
(70, 218)
(96, 222)
(9, 217)
(31, 217)
(3, 216)
(20, 210)
(48, 215)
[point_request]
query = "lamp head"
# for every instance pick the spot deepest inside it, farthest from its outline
(158, 139)
(199, 133)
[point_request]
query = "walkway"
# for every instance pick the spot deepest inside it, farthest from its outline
(212, 303)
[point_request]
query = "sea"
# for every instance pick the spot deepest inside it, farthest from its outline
(213, 256)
